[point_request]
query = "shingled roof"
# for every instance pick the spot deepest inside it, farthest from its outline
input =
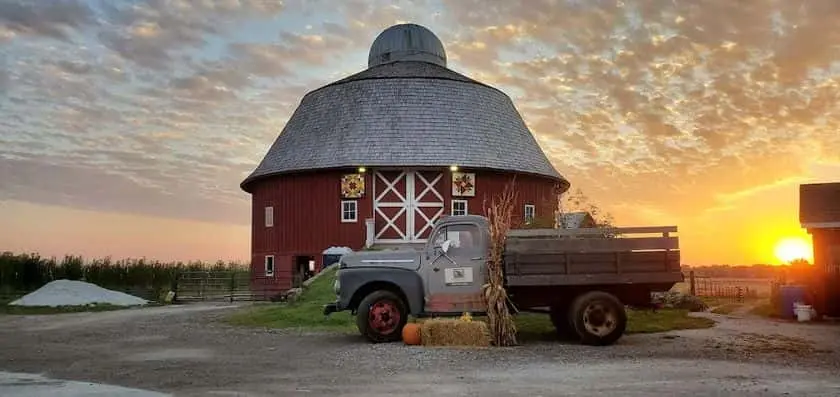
(405, 113)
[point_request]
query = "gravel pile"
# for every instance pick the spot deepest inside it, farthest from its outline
(76, 293)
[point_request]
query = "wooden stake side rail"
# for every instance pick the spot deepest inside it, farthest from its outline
(539, 257)
(549, 244)
(594, 279)
(665, 231)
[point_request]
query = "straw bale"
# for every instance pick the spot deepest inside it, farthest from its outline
(455, 332)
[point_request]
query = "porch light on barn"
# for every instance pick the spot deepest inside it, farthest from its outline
(453, 168)
(362, 170)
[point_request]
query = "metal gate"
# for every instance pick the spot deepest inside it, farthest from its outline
(214, 286)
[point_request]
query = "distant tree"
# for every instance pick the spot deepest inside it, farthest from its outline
(801, 262)
(577, 201)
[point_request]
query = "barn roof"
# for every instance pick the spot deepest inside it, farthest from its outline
(405, 113)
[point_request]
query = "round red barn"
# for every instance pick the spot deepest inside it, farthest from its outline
(376, 158)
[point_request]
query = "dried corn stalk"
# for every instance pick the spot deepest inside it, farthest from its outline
(500, 321)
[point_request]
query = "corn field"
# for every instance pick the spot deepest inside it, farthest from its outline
(23, 273)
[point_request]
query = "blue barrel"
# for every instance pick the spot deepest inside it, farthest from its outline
(789, 295)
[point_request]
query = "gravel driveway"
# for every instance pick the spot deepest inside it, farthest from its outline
(186, 351)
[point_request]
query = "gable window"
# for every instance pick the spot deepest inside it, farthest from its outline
(349, 211)
(459, 207)
(529, 213)
(269, 265)
(269, 216)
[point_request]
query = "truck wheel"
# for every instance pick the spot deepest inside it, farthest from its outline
(598, 318)
(381, 316)
(559, 315)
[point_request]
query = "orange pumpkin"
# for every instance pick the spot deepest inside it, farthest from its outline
(411, 334)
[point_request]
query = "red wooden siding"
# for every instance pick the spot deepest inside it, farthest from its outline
(539, 191)
(826, 287)
(307, 220)
(307, 213)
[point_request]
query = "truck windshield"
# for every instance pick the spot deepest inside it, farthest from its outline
(464, 237)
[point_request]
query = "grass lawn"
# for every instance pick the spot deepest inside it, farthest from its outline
(305, 314)
(764, 309)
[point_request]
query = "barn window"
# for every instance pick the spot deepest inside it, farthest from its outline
(459, 207)
(269, 265)
(349, 211)
(269, 216)
(529, 213)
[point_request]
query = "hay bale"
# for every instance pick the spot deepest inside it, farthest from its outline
(455, 332)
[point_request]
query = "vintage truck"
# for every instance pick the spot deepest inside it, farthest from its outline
(581, 278)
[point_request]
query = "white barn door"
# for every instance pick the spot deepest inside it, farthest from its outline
(406, 205)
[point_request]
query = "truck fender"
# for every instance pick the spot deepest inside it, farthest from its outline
(407, 284)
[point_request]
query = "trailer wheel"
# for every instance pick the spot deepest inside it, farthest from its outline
(559, 315)
(598, 318)
(381, 316)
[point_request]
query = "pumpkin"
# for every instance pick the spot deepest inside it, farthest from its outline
(411, 334)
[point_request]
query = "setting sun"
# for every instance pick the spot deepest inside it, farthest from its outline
(790, 249)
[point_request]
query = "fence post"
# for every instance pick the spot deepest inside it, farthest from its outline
(232, 284)
(691, 282)
(175, 285)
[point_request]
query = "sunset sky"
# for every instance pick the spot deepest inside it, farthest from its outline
(127, 126)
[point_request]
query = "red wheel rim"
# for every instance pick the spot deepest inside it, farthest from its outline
(384, 317)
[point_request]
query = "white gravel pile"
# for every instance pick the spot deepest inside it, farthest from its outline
(76, 293)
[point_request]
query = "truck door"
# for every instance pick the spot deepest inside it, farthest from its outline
(454, 276)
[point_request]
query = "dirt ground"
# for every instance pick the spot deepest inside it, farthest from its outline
(187, 351)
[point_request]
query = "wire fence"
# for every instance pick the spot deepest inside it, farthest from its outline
(736, 290)
(225, 285)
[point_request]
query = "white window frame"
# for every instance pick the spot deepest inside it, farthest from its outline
(355, 211)
(269, 216)
(273, 265)
(530, 208)
(466, 206)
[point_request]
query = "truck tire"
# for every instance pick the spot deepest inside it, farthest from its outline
(381, 316)
(559, 316)
(598, 318)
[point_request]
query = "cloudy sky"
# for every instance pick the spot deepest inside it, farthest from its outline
(126, 126)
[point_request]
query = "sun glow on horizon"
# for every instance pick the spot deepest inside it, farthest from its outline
(792, 248)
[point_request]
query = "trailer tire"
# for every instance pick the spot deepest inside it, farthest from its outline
(559, 315)
(598, 318)
(381, 316)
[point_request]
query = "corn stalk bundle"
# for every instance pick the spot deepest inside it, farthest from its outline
(502, 326)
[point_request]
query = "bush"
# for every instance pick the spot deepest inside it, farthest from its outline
(678, 300)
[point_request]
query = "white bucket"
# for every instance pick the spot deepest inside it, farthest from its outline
(803, 312)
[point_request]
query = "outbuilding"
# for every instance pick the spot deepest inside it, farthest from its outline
(819, 213)
(374, 159)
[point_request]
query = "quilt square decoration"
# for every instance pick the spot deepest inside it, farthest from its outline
(352, 186)
(463, 184)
